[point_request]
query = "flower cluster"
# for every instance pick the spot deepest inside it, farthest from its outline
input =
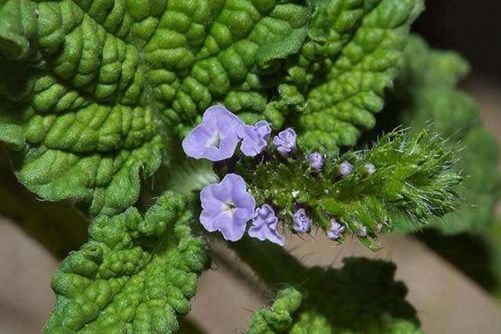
(228, 206)
(220, 132)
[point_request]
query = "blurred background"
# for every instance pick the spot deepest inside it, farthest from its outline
(452, 292)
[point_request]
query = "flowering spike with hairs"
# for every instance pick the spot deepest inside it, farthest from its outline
(416, 179)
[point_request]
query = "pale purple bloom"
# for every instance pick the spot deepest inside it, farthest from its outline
(362, 231)
(227, 207)
(264, 225)
(301, 221)
(216, 138)
(345, 169)
(336, 230)
(316, 161)
(254, 138)
(285, 142)
(370, 168)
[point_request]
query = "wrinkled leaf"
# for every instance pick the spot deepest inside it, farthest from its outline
(134, 275)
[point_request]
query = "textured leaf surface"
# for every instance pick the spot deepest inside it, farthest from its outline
(279, 318)
(356, 56)
(79, 96)
(426, 91)
(134, 275)
(85, 83)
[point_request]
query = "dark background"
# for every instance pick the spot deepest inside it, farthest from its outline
(470, 27)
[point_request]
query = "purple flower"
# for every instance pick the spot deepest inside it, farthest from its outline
(370, 168)
(301, 221)
(362, 231)
(345, 169)
(227, 207)
(216, 138)
(285, 142)
(336, 230)
(316, 161)
(264, 226)
(255, 138)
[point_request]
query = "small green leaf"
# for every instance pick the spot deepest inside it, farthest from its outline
(134, 275)
(279, 317)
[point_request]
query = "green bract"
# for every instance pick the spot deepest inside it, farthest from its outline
(134, 275)
(92, 89)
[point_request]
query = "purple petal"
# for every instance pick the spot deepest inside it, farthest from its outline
(243, 214)
(216, 138)
(254, 138)
(316, 161)
(276, 238)
(208, 221)
(265, 224)
(345, 169)
(227, 207)
(336, 230)
(231, 229)
(301, 221)
(285, 142)
(221, 192)
(263, 129)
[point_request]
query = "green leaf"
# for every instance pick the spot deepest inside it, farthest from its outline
(80, 97)
(426, 92)
(134, 275)
(354, 54)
